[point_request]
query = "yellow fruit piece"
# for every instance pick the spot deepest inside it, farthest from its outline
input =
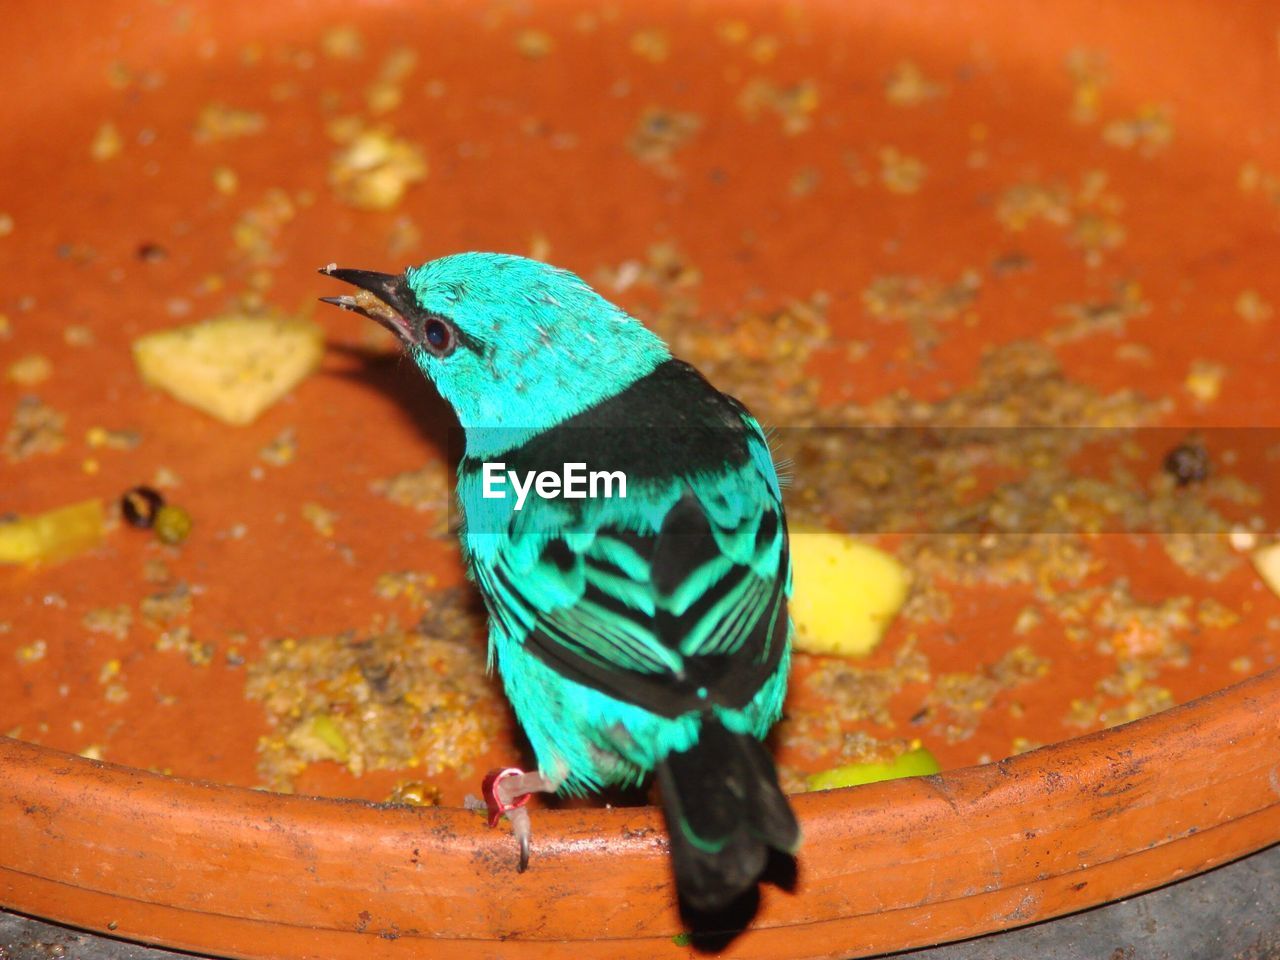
(53, 535)
(1267, 561)
(845, 593)
(914, 763)
(373, 171)
(232, 367)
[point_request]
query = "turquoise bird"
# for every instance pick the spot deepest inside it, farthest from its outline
(642, 629)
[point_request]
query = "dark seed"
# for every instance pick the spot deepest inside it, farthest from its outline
(1187, 463)
(140, 506)
(152, 253)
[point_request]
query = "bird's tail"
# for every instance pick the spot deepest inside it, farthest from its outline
(724, 810)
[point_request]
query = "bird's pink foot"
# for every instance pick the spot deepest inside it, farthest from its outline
(506, 792)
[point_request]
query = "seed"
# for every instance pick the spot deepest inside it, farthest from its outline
(173, 524)
(416, 793)
(1187, 463)
(140, 506)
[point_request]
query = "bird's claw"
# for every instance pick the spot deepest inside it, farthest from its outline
(497, 794)
(523, 831)
(500, 799)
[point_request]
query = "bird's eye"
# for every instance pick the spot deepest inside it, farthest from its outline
(438, 334)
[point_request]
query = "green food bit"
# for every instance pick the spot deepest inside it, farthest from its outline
(324, 728)
(682, 939)
(172, 524)
(914, 763)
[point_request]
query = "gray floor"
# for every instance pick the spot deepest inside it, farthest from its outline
(1232, 913)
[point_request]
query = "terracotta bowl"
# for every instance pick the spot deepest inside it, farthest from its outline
(238, 873)
(227, 870)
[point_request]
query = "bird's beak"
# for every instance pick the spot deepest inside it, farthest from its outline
(384, 298)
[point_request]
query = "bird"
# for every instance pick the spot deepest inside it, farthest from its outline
(635, 635)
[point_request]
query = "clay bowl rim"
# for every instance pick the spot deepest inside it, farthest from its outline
(241, 872)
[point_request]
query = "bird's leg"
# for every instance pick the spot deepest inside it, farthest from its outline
(506, 791)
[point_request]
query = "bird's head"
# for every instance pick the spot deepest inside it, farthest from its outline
(514, 345)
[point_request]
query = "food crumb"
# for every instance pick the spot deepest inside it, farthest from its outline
(165, 478)
(31, 652)
(386, 93)
(921, 303)
(901, 173)
(281, 449)
(416, 793)
(1204, 380)
(1094, 317)
(35, 428)
(109, 671)
(180, 640)
(1213, 614)
(534, 44)
(733, 32)
(957, 700)
(156, 571)
(1028, 619)
(1089, 75)
(35, 368)
(1088, 215)
(1252, 308)
(258, 227)
(167, 606)
(804, 182)
(218, 121)
(651, 45)
(100, 438)
(411, 584)
(764, 48)
(794, 105)
(1151, 130)
(342, 43)
(78, 335)
(225, 181)
(907, 86)
(658, 135)
(1188, 463)
(321, 519)
(107, 143)
(113, 621)
(424, 489)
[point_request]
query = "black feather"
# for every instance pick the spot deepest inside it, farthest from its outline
(724, 811)
(672, 415)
